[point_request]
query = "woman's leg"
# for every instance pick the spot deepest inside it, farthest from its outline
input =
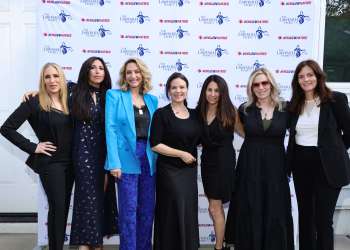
(217, 214)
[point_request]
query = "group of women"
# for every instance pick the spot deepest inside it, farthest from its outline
(152, 154)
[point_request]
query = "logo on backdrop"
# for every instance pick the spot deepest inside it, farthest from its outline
(300, 19)
(98, 32)
(296, 52)
(170, 3)
(177, 66)
(60, 17)
(254, 3)
(219, 19)
(248, 68)
(180, 33)
(62, 49)
(139, 51)
(217, 52)
(95, 2)
(140, 18)
(258, 34)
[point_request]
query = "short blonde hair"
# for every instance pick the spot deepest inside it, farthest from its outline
(44, 98)
(146, 75)
(275, 91)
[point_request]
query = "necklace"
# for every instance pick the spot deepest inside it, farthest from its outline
(310, 105)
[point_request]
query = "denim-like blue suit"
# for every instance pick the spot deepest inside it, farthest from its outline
(136, 187)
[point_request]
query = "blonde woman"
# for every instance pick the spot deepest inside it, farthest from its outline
(48, 115)
(130, 160)
(260, 211)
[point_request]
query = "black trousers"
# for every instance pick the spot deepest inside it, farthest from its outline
(316, 200)
(57, 180)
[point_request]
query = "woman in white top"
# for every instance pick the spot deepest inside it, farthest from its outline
(317, 156)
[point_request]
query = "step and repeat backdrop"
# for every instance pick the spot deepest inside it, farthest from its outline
(197, 38)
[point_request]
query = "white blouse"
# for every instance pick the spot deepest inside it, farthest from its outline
(307, 125)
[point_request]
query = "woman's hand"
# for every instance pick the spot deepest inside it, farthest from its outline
(117, 173)
(45, 148)
(187, 157)
(28, 94)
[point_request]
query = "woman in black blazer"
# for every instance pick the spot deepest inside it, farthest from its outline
(317, 153)
(47, 114)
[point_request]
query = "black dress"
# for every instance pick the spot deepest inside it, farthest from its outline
(259, 216)
(176, 216)
(92, 218)
(218, 161)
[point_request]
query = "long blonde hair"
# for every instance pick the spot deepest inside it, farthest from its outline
(275, 91)
(44, 98)
(145, 72)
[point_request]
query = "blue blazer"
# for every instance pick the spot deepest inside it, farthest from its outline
(121, 132)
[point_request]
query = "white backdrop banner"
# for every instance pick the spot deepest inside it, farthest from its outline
(197, 38)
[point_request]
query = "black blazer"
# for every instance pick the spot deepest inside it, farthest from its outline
(39, 120)
(333, 140)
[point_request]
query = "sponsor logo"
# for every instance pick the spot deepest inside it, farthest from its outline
(254, 3)
(56, 2)
(139, 51)
(250, 21)
(96, 51)
(219, 19)
(57, 34)
(95, 20)
(240, 86)
(252, 53)
(201, 37)
(240, 98)
(100, 32)
(296, 52)
(287, 3)
(140, 3)
(170, 3)
(212, 71)
(140, 19)
(62, 49)
(215, 3)
(173, 21)
(95, 2)
(248, 68)
(67, 68)
(258, 34)
(284, 71)
(61, 17)
(217, 52)
(162, 52)
(299, 19)
(177, 66)
(292, 37)
(134, 36)
(179, 33)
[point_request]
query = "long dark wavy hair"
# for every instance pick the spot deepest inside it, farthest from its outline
(81, 98)
(226, 111)
(172, 77)
(298, 95)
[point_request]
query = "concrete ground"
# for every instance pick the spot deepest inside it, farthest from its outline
(28, 242)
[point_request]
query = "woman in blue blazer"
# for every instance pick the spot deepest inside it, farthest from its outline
(130, 159)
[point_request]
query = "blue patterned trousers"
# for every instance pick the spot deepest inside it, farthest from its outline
(136, 199)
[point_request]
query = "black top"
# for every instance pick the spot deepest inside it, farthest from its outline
(142, 120)
(45, 128)
(182, 134)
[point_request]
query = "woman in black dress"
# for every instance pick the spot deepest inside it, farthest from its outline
(218, 160)
(94, 195)
(175, 133)
(317, 153)
(48, 115)
(259, 216)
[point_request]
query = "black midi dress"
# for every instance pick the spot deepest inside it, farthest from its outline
(259, 216)
(176, 215)
(218, 161)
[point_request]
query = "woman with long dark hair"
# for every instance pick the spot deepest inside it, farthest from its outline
(317, 153)
(219, 121)
(175, 133)
(129, 111)
(48, 115)
(259, 216)
(92, 188)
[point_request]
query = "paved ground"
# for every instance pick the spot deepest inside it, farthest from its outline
(27, 242)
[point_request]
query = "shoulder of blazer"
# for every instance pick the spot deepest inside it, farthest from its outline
(153, 98)
(115, 93)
